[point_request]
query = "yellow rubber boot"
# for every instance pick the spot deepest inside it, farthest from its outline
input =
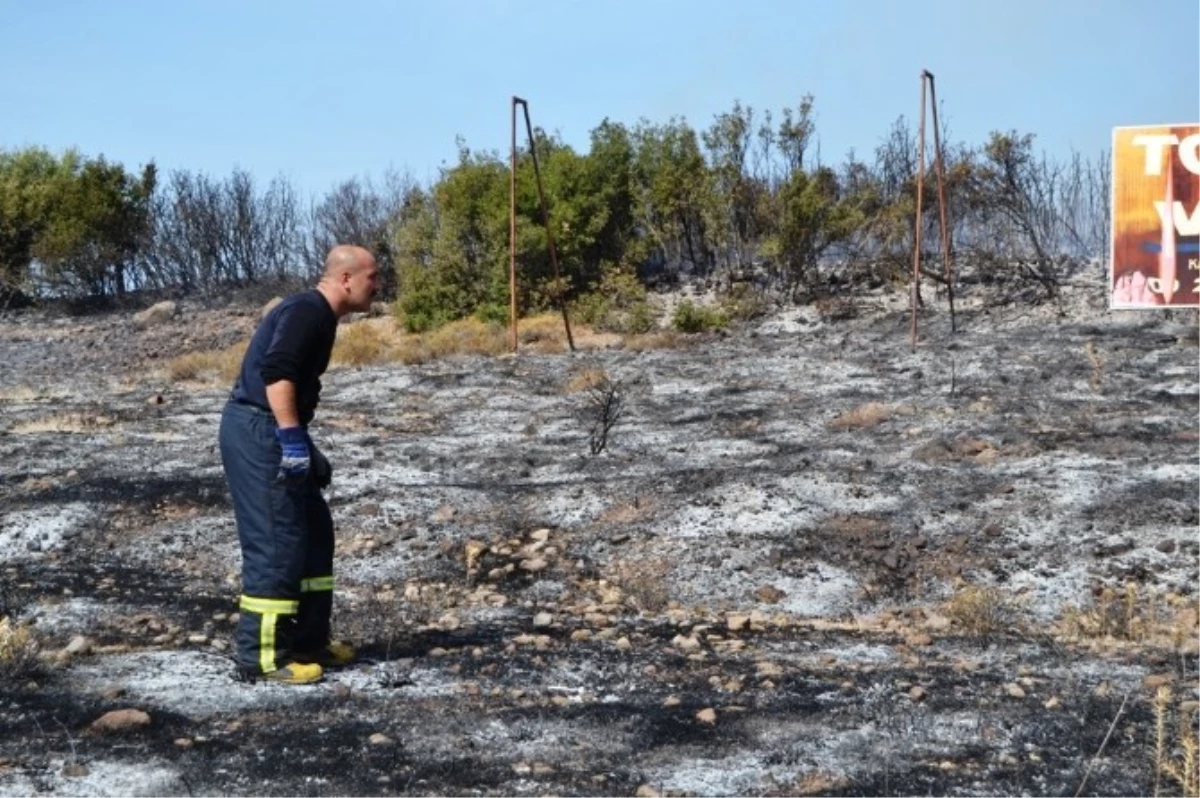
(295, 673)
(334, 655)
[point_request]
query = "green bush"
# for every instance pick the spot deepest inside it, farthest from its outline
(743, 303)
(421, 311)
(619, 304)
(692, 318)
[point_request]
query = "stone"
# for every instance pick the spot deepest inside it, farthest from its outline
(767, 668)
(1154, 681)
(707, 715)
(770, 594)
(685, 643)
(379, 738)
(121, 720)
(79, 645)
(542, 620)
(156, 314)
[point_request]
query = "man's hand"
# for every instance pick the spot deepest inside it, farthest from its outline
(322, 471)
(296, 459)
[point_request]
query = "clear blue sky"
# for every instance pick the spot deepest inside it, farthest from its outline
(323, 91)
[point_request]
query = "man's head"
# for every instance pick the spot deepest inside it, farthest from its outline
(350, 280)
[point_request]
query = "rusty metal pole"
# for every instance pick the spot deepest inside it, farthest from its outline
(537, 172)
(512, 234)
(942, 206)
(915, 288)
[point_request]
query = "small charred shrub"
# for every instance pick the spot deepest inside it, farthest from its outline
(605, 406)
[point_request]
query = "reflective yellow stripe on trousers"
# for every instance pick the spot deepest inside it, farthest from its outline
(317, 584)
(270, 610)
(264, 606)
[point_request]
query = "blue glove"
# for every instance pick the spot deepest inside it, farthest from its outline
(296, 459)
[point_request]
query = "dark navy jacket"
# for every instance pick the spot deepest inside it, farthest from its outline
(293, 343)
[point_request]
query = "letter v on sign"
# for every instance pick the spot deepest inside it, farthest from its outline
(1185, 223)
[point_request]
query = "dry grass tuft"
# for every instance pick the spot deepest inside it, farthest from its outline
(817, 782)
(585, 380)
(1178, 758)
(364, 342)
(643, 582)
(23, 394)
(214, 366)
(18, 650)
(382, 341)
(981, 611)
(1145, 616)
(544, 333)
(867, 416)
(467, 337)
(1097, 362)
(66, 422)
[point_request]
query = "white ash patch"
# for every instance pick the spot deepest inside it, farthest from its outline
(77, 614)
(27, 534)
(152, 776)
(858, 653)
(570, 506)
(740, 774)
(793, 321)
(195, 684)
(213, 539)
(416, 681)
(823, 591)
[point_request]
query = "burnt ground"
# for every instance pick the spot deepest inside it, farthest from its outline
(810, 560)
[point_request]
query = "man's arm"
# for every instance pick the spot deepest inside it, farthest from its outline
(295, 457)
(281, 396)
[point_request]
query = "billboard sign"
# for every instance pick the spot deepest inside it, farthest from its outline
(1155, 258)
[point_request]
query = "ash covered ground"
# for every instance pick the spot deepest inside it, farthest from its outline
(811, 559)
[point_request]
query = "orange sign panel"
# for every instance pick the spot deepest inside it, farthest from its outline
(1155, 259)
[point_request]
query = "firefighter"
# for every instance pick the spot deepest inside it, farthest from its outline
(275, 475)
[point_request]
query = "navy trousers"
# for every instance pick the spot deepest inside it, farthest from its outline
(286, 535)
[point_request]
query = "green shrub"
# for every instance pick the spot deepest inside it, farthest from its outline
(619, 304)
(692, 318)
(744, 303)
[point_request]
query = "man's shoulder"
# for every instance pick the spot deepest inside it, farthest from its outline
(308, 302)
(308, 296)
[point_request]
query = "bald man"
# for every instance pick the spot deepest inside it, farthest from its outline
(276, 473)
